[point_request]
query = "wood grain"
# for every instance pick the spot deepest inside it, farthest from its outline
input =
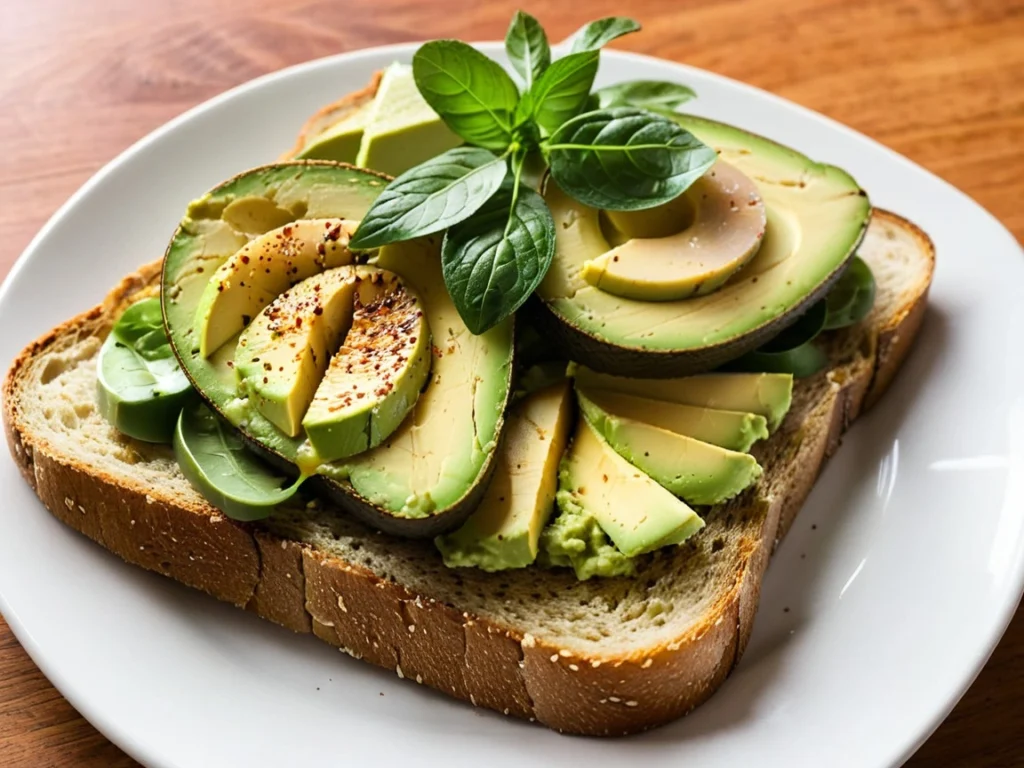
(938, 81)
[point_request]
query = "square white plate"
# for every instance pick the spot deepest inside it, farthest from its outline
(899, 577)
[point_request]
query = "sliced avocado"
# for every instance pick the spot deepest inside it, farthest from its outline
(282, 355)
(767, 394)
(341, 141)
(727, 223)
(697, 472)
(504, 532)
(734, 430)
(637, 514)
(816, 217)
(445, 449)
(429, 475)
(373, 381)
(401, 129)
(263, 269)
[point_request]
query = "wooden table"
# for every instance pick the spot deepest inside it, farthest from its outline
(939, 81)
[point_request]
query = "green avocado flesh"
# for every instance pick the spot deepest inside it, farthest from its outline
(393, 132)
(505, 530)
(766, 394)
(734, 430)
(374, 380)
(658, 261)
(698, 472)
(635, 512)
(816, 215)
(340, 142)
(440, 452)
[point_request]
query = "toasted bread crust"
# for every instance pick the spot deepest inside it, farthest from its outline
(386, 624)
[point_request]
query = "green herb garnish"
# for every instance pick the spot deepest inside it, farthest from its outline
(215, 460)
(613, 149)
(140, 386)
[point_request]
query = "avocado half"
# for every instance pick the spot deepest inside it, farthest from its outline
(430, 474)
(816, 218)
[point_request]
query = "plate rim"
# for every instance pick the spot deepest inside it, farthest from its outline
(123, 738)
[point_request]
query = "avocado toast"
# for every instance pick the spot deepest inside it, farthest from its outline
(577, 648)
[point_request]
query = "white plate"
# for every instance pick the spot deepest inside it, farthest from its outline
(899, 577)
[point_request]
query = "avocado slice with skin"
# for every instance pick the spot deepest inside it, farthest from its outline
(697, 472)
(505, 531)
(655, 263)
(734, 430)
(816, 218)
(767, 394)
(636, 513)
(430, 474)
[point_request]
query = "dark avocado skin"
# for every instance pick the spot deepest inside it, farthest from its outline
(607, 357)
(337, 492)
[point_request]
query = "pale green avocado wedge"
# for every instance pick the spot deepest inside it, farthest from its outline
(401, 129)
(697, 472)
(733, 430)
(636, 513)
(505, 531)
(687, 247)
(816, 217)
(428, 476)
(341, 141)
(767, 394)
(374, 380)
(282, 355)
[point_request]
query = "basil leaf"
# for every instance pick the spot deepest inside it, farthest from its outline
(793, 350)
(802, 361)
(213, 457)
(494, 261)
(625, 159)
(527, 47)
(597, 34)
(561, 92)
(806, 328)
(141, 327)
(474, 96)
(852, 297)
(430, 197)
(655, 95)
(140, 386)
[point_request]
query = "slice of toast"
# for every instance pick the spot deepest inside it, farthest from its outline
(605, 656)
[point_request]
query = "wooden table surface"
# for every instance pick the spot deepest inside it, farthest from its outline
(941, 81)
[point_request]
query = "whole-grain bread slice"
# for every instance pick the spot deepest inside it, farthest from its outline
(606, 656)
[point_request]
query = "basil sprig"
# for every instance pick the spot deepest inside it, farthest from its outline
(494, 261)
(500, 235)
